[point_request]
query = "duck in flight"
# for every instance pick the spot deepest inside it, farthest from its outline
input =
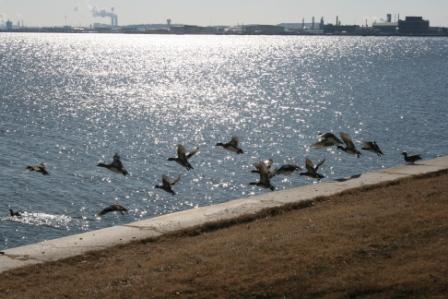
(326, 140)
(311, 170)
(265, 176)
(167, 183)
(183, 156)
(349, 145)
(116, 165)
(42, 168)
(233, 145)
(371, 146)
(411, 159)
(113, 208)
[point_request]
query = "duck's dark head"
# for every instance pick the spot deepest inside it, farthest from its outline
(219, 144)
(171, 159)
(404, 153)
(101, 165)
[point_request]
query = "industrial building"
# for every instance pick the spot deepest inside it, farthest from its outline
(8, 25)
(413, 26)
(262, 29)
(386, 28)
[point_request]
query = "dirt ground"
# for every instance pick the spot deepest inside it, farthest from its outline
(388, 241)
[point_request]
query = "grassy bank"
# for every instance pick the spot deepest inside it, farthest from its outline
(385, 241)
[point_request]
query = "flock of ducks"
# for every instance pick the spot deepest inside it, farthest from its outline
(263, 168)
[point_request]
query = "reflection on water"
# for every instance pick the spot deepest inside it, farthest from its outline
(75, 100)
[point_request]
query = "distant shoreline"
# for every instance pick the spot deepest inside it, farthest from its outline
(224, 34)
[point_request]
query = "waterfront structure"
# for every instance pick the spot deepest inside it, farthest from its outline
(8, 25)
(303, 28)
(410, 26)
(331, 29)
(413, 26)
(386, 28)
(263, 29)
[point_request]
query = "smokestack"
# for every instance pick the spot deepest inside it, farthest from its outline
(312, 23)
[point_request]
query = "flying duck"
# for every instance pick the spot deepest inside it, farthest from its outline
(232, 145)
(372, 147)
(326, 140)
(115, 166)
(311, 170)
(265, 176)
(183, 156)
(349, 145)
(113, 208)
(411, 159)
(14, 214)
(38, 168)
(167, 183)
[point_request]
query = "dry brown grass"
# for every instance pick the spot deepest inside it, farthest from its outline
(389, 241)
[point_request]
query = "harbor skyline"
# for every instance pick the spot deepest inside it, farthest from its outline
(87, 12)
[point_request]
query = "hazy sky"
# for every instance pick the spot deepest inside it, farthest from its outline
(218, 12)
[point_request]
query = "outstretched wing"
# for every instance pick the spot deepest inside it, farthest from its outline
(181, 151)
(235, 141)
(319, 164)
(330, 138)
(166, 180)
(377, 148)
(325, 140)
(309, 165)
(193, 152)
(347, 140)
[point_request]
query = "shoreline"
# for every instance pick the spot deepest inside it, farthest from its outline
(229, 34)
(382, 240)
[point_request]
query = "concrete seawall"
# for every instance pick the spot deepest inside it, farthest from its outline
(70, 246)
